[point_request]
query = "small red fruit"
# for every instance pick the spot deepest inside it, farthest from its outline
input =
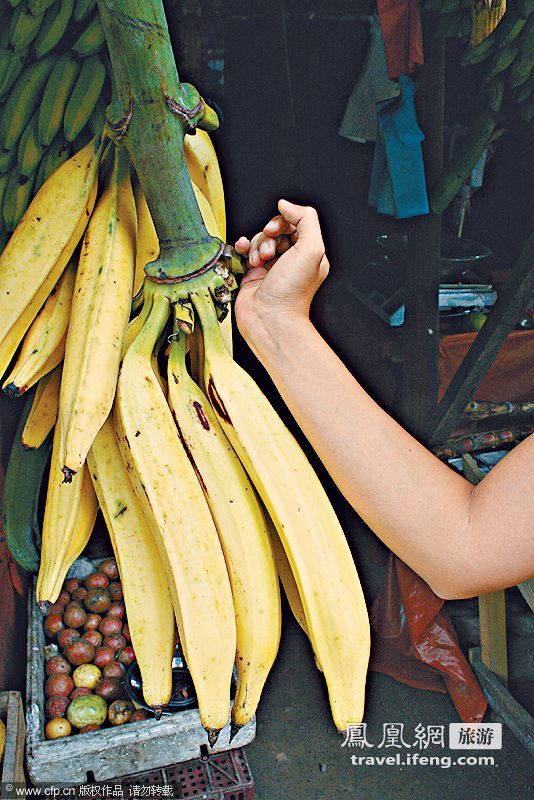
(126, 632)
(97, 600)
(80, 652)
(115, 591)
(91, 727)
(58, 684)
(92, 622)
(110, 625)
(120, 712)
(103, 656)
(56, 608)
(108, 688)
(57, 664)
(79, 594)
(126, 656)
(53, 624)
(97, 580)
(116, 610)
(67, 636)
(115, 641)
(114, 670)
(110, 569)
(138, 715)
(74, 616)
(71, 584)
(94, 637)
(79, 691)
(56, 706)
(64, 598)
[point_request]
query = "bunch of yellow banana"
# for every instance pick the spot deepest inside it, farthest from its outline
(205, 493)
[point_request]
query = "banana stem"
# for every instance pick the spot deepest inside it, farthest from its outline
(152, 115)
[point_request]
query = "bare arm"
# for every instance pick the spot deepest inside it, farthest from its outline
(462, 540)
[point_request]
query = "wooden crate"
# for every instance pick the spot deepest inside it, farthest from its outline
(110, 752)
(12, 714)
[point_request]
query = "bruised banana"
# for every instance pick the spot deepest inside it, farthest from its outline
(44, 342)
(43, 412)
(242, 529)
(43, 243)
(203, 167)
(98, 319)
(173, 501)
(69, 518)
(146, 593)
(320, 559)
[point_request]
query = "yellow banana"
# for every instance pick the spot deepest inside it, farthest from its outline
(201, 160)
(69, 517)
(313, 540)
(43, 413)
(99, 317)
(147, 238)
(42, 245)
(288, 579)
(242, 530)
(45, 339)
(146, 593)
(173, 501)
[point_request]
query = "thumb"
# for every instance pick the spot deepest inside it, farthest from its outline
(306, 221)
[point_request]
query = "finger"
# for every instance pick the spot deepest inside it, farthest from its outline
(278, 226)
(267, 248)
(242, 246)
(306, 222)
(253, 274)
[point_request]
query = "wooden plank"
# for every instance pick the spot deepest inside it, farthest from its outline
(514, 716)
(471, 470)
(513, 298)
(420, 334)
(12, 714)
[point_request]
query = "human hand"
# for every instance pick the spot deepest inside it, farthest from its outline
(286, 266)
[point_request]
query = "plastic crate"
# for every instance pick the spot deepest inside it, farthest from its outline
(221, 776)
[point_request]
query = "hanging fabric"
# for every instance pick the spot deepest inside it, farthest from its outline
(400, 21)
(398, 185)
(359, 122)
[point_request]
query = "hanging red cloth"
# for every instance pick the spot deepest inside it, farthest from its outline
(415, 642)
(400, 21)
(10, 586)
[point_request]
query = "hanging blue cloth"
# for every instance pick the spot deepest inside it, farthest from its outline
(398, 185)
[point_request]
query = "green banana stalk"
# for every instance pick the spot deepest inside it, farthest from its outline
(20, 500)
(82, 9)
(30, 150)
(84, 97)
(18, 194)
(53, 27)
(92, 39)
(22, 100)
(24, 27)
(58, 90)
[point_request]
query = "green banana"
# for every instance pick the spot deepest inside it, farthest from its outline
(525, 7)
(4, 180)
(510, 28)
(14, 3)
(18, 195)
(526, 42)
(39, 6)
(20, 500)
(22, 100)
(30, 150)
(92, 39)
(475, 55)
(502, 60)
(7, 159)
(56, 98)
(84, 97)
(24, 27)
(82, 9)
(11, 64)
(58, 152)
(53, 27)
(527, 111)
(523, 92)
(494, 94)
(520, 72)
(98, 117)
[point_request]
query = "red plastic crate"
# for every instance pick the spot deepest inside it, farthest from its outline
(221, 776)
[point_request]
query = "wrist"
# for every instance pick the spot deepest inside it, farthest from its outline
(272, 337)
